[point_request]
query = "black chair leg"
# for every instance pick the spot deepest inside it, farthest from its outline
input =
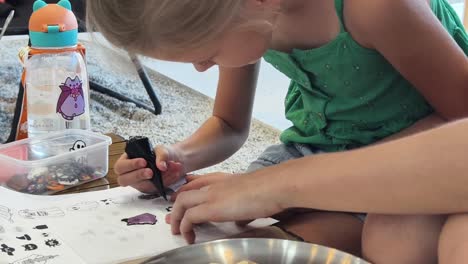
(146, 83)
(99, 88)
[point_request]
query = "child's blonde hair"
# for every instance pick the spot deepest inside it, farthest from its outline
(175, 25)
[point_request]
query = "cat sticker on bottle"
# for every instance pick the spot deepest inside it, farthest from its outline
(71, 102)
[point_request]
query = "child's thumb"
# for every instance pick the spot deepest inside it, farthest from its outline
(161, 158)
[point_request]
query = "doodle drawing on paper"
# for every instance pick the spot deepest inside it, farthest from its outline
(40, 227)
(41, 213)
(30, 247)
(84, 206)
(8, 250)
(25, 237)
(88, 232)
(35, 259)
(5, 213)
(52, 242)
(117, 200)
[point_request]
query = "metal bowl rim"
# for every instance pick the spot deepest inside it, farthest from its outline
(219, 241)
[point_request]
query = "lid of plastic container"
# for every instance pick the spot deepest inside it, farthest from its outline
(53, 25)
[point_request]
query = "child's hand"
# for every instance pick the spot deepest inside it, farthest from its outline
(234, 199)
(134, 172)
(196, 182)
(170, 164)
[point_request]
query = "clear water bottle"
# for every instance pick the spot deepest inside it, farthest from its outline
(56, 79)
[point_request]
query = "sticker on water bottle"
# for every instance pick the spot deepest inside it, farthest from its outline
(71, 102)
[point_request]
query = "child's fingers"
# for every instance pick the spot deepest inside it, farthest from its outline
(193, 185)
(125, 165)
(168, 219)
(196, 182)
(192, 177)
(216, 176)
(173, 174)
(174, 166)
(162, 165)
(170, 178)
(145, 187)
(185, 203)
(134, 177)
(162, 156)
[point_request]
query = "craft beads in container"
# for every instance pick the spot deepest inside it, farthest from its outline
(54, 162)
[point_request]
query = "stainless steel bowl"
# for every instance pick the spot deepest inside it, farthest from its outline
(257, 250)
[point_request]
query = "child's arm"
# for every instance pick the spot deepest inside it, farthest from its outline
(425, 173)
(429, 122)
(228, 128)
(218, 138)
(413, 40)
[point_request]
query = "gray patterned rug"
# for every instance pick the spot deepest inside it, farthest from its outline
(184, 109)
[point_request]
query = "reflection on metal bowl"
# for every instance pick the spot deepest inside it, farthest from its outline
(255, 250)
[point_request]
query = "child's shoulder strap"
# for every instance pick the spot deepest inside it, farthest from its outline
(339, 6)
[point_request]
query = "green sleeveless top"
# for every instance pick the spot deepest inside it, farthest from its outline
(344, 96)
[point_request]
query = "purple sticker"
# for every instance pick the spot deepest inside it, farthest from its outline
(71, 102)
(143, 219)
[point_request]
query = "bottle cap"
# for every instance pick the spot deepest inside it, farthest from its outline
(53, 25)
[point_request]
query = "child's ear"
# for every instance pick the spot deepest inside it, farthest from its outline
(38, 5)
(65, 3)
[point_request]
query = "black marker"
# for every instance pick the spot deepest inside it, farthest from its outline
(140, 147)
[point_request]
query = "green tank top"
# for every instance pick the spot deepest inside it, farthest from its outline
(344, 96)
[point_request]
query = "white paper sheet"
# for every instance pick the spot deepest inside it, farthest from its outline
(88, 228)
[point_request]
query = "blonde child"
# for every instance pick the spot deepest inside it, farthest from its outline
(361, 71)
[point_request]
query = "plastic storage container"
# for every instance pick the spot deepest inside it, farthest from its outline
(50, 163)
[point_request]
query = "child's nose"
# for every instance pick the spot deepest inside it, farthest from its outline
(201, 67)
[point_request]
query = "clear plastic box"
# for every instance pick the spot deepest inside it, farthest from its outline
(54, 162)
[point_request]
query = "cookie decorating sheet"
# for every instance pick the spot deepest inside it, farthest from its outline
(109, 226)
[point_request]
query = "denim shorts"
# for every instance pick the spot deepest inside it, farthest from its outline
(277, 154)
